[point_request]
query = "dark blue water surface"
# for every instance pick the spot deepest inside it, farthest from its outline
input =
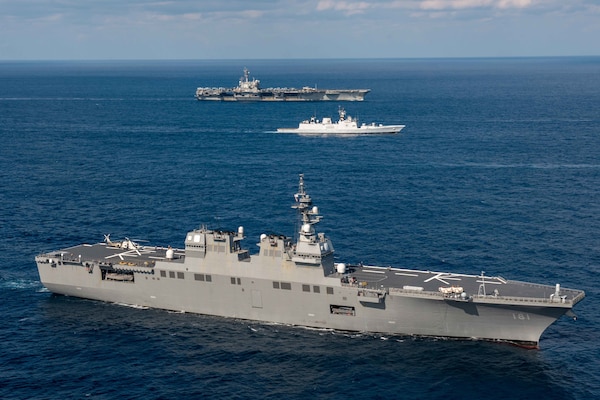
(497, 170)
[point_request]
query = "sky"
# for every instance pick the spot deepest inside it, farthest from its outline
(288, 29)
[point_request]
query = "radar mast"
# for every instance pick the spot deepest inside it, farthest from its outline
(308, 215)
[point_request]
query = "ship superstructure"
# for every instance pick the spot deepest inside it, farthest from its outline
(250, 90)
(296, 281)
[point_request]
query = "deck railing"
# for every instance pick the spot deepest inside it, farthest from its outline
(490, 298)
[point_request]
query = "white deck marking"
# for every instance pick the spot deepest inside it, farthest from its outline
(130, 253)
(437, 277)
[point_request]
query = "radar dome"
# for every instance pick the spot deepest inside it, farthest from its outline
(341, 268)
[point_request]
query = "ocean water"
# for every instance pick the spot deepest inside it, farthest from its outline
(497, 170)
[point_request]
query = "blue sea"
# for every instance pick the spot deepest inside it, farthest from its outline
(497, 170)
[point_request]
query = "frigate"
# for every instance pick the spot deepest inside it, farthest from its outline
(296, 281)
(345, 125)
(250, 90)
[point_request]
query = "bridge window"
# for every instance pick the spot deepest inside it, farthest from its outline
(282, 285)
(202, 277)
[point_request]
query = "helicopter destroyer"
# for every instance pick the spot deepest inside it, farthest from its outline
(250, 90)
(297, 282)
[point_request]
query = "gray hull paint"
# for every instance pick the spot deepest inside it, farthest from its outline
(297, 283)
(273, 95)
(256, 299)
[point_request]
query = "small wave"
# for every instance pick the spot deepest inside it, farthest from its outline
(316, 329)
(59, 99)
(17, 284)
(525, 166)
(136, 306)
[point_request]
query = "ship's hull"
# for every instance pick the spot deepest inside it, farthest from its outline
(275, 95)
(334, 129)
(333, 306)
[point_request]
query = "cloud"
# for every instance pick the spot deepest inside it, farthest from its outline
(346, 7)
(514, 3)
(469, 4)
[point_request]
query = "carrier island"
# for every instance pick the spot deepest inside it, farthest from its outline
(296, 281)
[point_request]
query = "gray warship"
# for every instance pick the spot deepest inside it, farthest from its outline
(297, 282)
(250, 90)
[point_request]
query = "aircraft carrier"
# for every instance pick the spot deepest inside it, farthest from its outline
(250, 90)
(297, 282)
